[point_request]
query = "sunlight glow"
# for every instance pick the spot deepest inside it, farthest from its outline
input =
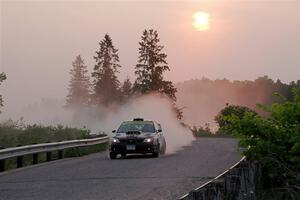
(201, 21)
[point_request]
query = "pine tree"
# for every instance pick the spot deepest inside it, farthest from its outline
(2, 78)
(126, 89)
(106, 84)
(79, 85)
(151, 66)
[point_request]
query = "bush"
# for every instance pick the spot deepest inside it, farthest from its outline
(222, 118)
(274, 140)
(14, 134)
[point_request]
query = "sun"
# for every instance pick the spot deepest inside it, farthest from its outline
(201, 21)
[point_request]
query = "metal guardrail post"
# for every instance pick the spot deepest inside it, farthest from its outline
(48, 156)
(35, 158)
(2, 165)
(60, 154)
(20, 161)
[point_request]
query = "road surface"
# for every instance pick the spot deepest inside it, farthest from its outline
(95, 177)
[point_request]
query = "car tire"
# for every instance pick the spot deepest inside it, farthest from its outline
(112, 155)
(164, 147)
(155, 154)
(123, 155)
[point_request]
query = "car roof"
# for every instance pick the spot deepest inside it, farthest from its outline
(138, 122)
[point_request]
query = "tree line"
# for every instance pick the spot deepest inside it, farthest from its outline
(105, 89)
(204, 98)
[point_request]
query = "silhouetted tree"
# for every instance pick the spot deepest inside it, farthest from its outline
(126, 89)
(79, 85)
(151, 66)
(2, 78)
(106, 86)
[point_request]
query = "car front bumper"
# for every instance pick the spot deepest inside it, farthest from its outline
(127, 148)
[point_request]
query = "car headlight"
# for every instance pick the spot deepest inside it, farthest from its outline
(148, 140)
(115, 140)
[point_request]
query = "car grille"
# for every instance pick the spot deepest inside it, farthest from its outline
(131, 140)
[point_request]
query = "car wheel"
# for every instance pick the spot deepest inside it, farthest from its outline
(155, 154)
(123, 155)
(163, 149)
(112, 155)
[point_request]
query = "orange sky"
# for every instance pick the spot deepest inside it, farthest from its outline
(246, 39)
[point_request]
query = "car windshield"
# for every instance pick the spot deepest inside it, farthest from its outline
(136, 126)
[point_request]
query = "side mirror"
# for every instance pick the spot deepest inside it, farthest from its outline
(159, 130)
(114, 131)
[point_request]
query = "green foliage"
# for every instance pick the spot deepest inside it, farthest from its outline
(2, 78)
(12, 135)
(151, 66)
(274, 140)
(106, 86)
(79, 85)
(231, 110)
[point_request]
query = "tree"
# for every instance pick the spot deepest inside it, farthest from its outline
(126, 89)
(151, 66)
(2, 78)
(106, 86)
(79, 85)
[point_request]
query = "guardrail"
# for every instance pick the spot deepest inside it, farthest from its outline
(35, 149)
(240, 181)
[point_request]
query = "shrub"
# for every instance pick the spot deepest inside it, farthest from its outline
(13, 134)
(222, 118)
(274, 140)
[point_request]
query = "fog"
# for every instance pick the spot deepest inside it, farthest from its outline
(105, 119)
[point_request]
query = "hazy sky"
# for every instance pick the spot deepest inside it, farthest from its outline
(246, 39)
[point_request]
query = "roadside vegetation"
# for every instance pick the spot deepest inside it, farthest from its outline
(205, 131)
(273, 139)
(16, 133)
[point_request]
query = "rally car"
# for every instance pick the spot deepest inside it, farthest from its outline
(137, 137)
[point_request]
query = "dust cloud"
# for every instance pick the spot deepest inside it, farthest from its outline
(105, 119)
